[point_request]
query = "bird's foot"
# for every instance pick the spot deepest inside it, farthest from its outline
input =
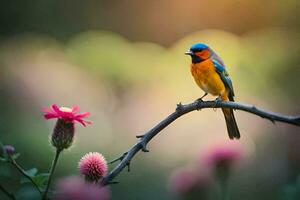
(217, 101)
(201, 98)
(199, 102)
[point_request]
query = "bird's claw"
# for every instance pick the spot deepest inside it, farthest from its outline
(201, 98)
(199, 103)
(217, 101)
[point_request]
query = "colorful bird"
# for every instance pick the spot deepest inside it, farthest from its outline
(211, 76)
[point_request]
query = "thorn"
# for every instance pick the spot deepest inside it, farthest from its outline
(128, 167)
(272, 120)
(117, 159)
(144, 148)
(113, 182)
(139, 136)
(179, 107)
(217, 101)
(113, 161)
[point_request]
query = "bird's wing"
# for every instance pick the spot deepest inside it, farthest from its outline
(221, 70)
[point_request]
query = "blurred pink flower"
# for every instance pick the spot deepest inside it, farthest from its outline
(228, 153)
(67, 114)
(93, 166)
(184, 181)
(76, 188)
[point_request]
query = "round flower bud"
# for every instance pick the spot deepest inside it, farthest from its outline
(8, 149)
(63, 134)
(93, 166)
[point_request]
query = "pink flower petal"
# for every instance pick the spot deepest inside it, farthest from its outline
(66, 114)
(50, 116)
(81, 115)
(47, 110)
(56, 109)
(83, 122)
(75, 109)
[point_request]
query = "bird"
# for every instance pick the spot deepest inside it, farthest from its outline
(211, 76)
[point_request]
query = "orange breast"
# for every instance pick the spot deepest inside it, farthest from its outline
(207, 78)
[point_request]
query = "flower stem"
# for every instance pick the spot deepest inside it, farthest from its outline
(8, 194)
(224, 190)
(21, 170)
(54, 162)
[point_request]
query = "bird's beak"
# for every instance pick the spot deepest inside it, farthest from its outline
(189, 53)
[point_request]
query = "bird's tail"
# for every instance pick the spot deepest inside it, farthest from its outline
(232, 128)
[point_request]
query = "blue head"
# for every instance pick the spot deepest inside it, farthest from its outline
(198, 47)
(199, 52)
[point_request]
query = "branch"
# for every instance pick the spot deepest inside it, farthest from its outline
(21, 170)
(8, 194)
(181, 110)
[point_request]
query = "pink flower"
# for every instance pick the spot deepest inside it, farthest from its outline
(93, 166)
(63, 132)
(221, 159)
(225, 153)
(182, 181)
(186, 181)
(68, 114)
(77, 188)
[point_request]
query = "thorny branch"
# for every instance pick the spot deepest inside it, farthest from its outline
(181, 110)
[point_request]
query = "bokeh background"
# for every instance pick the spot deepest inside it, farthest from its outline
(124, 62)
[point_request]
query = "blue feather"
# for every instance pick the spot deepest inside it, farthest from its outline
(198, 47)
(221, 70)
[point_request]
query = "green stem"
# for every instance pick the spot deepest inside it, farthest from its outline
(8, 194)
(21, 170)
(224, 190)
(54, 162)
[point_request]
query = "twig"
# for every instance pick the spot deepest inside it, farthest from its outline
(21, 170)
(8, 194)
(126, 158)
(53, 165)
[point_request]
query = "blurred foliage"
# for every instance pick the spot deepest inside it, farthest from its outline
(291, 191)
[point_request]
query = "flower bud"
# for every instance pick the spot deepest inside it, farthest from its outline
(63, 134)
(9, 150)
(93, 166)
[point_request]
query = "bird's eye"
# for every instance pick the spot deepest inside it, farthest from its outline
(199, 50)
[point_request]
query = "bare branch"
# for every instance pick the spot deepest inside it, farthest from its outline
(181, 109)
